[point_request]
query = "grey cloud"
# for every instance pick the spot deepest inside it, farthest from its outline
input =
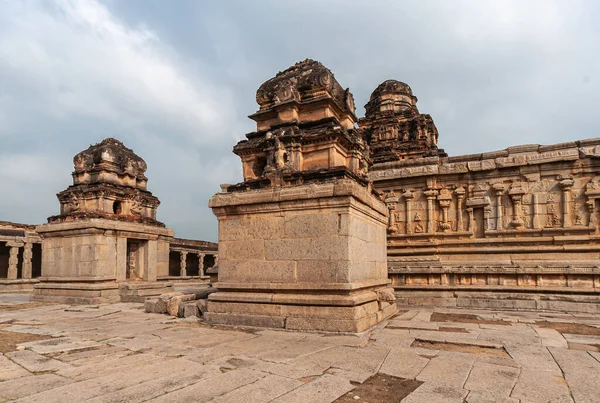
(175, 81)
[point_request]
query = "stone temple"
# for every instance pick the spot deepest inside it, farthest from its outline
(337, 220)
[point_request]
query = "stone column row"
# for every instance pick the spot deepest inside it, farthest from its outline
(13, 260)
(183, 261)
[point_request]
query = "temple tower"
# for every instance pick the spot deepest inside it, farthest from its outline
(106, 232)
(302, 240)
(394, 128)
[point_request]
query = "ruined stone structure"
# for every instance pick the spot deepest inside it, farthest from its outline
(516, 228)
(189, 259)
(302, 240)
(20, 256)
(106, 233)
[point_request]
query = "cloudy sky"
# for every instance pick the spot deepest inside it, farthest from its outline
(175, 80)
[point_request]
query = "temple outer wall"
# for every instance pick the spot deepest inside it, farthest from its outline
(84, 261)
(511, 229)
(308, 257)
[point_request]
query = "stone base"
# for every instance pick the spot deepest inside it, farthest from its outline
(308, 257)
(138, 291)
(349, 313)
(18, 286)
(77, 293)
(508, 298)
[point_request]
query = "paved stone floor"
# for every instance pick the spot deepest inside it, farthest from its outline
(117, 353)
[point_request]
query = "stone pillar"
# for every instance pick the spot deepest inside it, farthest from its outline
(565, 186)
(408, 196)
(182, 264)
(27, 255)
(470, 226)
(444, 199)
(201, 264)
(390, 201)
(460, 195)
(516, 193)
(13, 259)
(498, 189)
(591, 207)
(430, 195)
(536, 212)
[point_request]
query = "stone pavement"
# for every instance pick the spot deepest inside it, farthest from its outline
(117, 353)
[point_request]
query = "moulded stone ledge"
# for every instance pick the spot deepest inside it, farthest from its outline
(295, 299)
(357, 285)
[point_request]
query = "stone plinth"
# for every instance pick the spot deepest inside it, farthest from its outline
(83, 261)
(306, 257)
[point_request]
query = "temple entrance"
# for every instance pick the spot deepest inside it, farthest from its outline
(36, 260)
(4, 255)
(174, 264)
(135, 259)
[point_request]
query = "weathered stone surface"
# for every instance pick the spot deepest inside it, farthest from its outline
(325, 389)
(34, 362)
(10, 370)
(263, 390)
(541, 386)
(19, 388)
(495, 379)
(61, 344)
(191, 309)
(176, 303)
(431, 392)
(581, 371)
(450, 370)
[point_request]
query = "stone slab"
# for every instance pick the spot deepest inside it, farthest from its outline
(581, 371)
(403, 363)
(59, 345)
(34, 362)
(541, 386)
(324, 389)
(10, 370)
(431, 392)
(449, 370)
(496, 379)
(22, 387)
(263, 390)
(211, 388)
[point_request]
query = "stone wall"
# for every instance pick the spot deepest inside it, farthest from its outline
(524, 218)
(20, 256)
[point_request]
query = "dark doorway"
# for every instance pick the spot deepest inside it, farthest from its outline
(4, 255)
(20, 263)
(191, 264)
(174, 263)
(133, 270)
(36, 260)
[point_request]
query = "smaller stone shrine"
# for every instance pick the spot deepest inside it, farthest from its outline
(106, 232)
(394, 128)
(302, 240)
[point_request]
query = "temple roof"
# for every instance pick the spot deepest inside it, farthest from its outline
(391, 86)
(110, 154)
(304, 81)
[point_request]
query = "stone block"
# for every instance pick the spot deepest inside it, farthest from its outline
(307, 225)
(154, 305)
(191, 309)
(202, 305)
(176, 304)
(257, 271)
(251, 249)
(245, 320)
